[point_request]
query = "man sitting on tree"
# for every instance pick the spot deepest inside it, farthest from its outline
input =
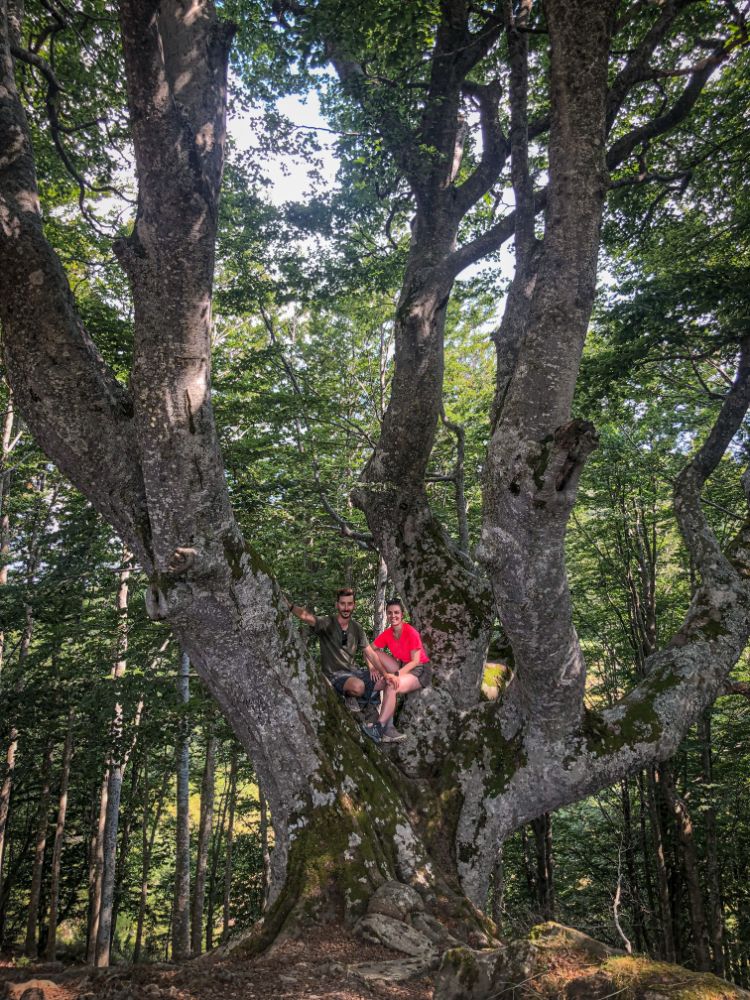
(341, 638)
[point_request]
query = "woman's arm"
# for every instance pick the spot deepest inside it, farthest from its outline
(414, 661)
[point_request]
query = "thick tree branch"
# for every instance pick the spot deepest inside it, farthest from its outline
(70, 400)
(682, 106)
(523, 187)
(494, 147)
(534, 772)
(637, 68)
(176, 64)
(701, 542)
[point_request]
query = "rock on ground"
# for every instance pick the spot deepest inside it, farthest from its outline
(561, 963)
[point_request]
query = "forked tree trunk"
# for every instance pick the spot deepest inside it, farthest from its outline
(57, 850)
(148, 457)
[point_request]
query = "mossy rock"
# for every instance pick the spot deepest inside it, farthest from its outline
(629, 977)
(637, 977)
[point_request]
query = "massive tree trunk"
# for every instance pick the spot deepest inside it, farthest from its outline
(346, 817)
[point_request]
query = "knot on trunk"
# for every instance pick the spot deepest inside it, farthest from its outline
(574, 442)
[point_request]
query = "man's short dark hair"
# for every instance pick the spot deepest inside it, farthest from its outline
(345, 592)
(394, 600)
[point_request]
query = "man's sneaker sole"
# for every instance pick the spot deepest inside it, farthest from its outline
(353, 705)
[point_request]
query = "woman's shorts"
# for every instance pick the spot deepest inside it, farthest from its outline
(423, 673)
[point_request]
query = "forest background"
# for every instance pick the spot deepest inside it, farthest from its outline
(302, 366)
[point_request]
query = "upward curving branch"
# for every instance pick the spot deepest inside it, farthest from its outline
(70, 399)
(176, 65)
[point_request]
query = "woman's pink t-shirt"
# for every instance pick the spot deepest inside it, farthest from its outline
(401, 648)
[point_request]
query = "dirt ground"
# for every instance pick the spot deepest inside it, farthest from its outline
(315, 969)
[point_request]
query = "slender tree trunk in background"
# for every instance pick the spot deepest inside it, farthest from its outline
(147, 849)
(713, 874)
(528, 869)
(10, 761)
(116, 770)
(380, 622)
(653, 906)
(689, 858)
(6, 448)
(125, 832)
(217, 839)
(181, 922)
(10, 756)
(662, 875)
(40, 845)
(634, 895)
(542, 828)
(5, 793)
(264, 846)
(230, 846)
(498, 891)
(57, 850)
(96, 870)
(204, 839)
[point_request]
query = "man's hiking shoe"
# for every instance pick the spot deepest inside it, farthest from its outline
(352, 704)
(375, 732)
(392, 735)
(370, 713)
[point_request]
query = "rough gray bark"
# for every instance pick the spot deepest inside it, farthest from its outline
(204, 839)
(181, 907)
(57, 849)
(147, 457)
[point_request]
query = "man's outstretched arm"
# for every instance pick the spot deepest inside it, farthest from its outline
(299, 612)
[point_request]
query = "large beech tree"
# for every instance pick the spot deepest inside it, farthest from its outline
(564, 95)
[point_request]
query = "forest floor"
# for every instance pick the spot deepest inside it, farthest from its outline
(572, 967)
(315, 968)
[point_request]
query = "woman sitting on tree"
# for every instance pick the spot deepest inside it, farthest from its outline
(400, 652)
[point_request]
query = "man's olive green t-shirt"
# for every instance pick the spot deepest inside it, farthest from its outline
(333, 655)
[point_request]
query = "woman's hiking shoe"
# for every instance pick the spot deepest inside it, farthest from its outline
(374, 731)
(392, 735)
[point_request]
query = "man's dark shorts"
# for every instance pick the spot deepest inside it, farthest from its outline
(342, 676)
